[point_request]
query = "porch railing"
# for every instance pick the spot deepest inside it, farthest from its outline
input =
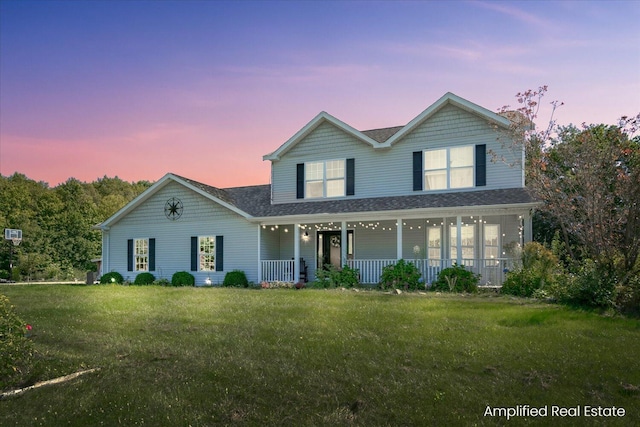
(492, 271)
(277, 270)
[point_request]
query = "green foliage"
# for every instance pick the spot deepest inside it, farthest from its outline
(58, 238)
(456, 279)
(592, 286)
(183, 278)
(332, 277)
(112, 277)
(401, 275)
(539, 267)
(235, 278)
(162, 282)
(16, 353)
(145, 278)
(628, 297)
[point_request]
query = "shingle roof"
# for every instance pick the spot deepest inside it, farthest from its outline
(381, 135)
(256, 201)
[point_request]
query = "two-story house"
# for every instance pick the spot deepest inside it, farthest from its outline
(427, 192)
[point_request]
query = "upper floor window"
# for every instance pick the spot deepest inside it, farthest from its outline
(324, 179)
(449, 168)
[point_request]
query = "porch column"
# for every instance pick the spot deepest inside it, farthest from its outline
(399, 240)
(296, 253)
(259, 255)
(459, 239)
(528, 226)
(343, 244)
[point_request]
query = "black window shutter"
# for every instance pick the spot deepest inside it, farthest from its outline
(351, 175)
(152, 254)
(300, 181)
(418, 171)
(481, 165)
(130, 255)
(194, 253)
(219, 253)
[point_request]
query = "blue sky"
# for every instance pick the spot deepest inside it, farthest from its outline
(203, 89)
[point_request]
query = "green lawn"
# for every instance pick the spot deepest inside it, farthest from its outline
(195, 356)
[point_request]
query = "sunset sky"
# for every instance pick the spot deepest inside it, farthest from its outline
(204, 89)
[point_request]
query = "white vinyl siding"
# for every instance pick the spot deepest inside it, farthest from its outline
(200, 217)
(449, 127)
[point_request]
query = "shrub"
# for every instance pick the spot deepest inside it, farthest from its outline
(236, 278)
(183, 278)
(456, 279)
(628, 297)
(540, 268)
(332, 277)
(16, 353)
(162, 282)
(112, 277)
(592, 286)
(401, 275)
(144, 279)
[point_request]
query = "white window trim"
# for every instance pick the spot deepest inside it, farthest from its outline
(447, 168)
(484, 241)
(140, 259)
(201, 254)
(325, 180)
(453, 230)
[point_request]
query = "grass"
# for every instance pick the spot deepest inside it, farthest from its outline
(194, 356)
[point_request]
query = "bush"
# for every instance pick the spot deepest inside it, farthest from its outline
(112, 277)
(162, 282)
(183, 278)
(236, 278)
(593, 286)
(332, 277)
(144, 279)
(401, 275)
(628, 297)
(540, 268)
(456, 279)
(16, 353)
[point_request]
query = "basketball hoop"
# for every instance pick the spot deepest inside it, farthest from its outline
(16, 241)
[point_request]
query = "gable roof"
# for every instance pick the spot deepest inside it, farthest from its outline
(217, 195)
(321, 118)
(386, 137)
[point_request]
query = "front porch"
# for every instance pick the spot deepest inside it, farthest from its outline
(485, 244)
(492, 271)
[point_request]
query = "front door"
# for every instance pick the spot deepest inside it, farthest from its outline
(330, 247)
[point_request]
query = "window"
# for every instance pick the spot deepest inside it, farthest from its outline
(141, 254)
(207, 253)
(324, 179)
(468, 242)
(449, 168)
(434, 243)
(491, 243)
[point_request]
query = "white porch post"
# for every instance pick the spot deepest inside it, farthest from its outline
(528, 226)
(259, 254)
(296, 253)
(459, 239)
(343, 243)
(399, 240)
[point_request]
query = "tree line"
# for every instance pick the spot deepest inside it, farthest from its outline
(58, 240)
